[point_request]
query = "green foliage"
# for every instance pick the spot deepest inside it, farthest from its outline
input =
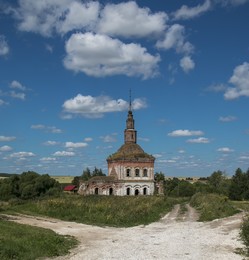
(244, 233)
(179, 188)
(159, 176)
(212, 206)
(219, 183)
(26, 242)
(239, 188)
(100, 210)
(86, 175)
(28, 185)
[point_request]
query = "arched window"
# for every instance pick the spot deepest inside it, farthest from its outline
(128, 173)
(128, 191)
(96, 191)
(145, 173)
(137, 172)
(136, 192)
(111, 191)
(145, 191)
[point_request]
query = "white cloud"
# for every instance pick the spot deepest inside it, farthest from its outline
(187, 64)
(99, 55)
(186, 12)
(175, 38)
(240, 79)
(4, 47)
(47, 159)
(63, 154)
(7, 138)
(22, 155)
(2, 102)
(17, 95)
(17, 85)
(109, 138)
(227, 118)
(200, 140)
(216, 88)
(5, 148)
(49, 48)
(144, 139)
(127, 19)
(51, 143)
(95, 107)
(60, 16)
(75, 145)
(225, 150)
(50, 129)
(181, 151)
(179, 133)
(88, 139)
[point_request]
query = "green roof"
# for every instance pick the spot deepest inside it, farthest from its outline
(130, 151)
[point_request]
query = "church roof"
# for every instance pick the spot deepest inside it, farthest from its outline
(131, 152)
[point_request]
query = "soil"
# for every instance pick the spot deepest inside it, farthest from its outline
(177, 235)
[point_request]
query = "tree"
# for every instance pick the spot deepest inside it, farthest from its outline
(86, 175)
(159, 176)
(219, 183)
(238, 189)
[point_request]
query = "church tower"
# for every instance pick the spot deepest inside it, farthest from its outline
(130, 134)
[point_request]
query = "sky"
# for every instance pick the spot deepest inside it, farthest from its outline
(67, 68)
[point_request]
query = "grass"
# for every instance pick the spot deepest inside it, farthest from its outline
(99, 210)
(213, 206)
(25, 242)
(63, 179)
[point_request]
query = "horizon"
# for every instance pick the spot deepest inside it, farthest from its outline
(67, 69)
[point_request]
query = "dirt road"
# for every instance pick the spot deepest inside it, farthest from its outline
(176, 236)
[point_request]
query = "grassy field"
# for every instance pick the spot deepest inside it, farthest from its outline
(63, 179)
(26, 242)
(98, 210)
(213, 206)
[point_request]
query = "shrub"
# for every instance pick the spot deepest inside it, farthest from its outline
(212, 206)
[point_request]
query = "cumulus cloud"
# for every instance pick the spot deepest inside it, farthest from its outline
(95, 107)
(47, 159)
(22, 155)
(175, 38)
(187, 64)
(127, 19)
(60, 16)
(17, 95)
(50, 129)
(17, 85)
(99, 55)
(185, 12)
(179, 133)
(227, 118)
(200, 140)
(240, 80)
(51, 143)
(225, 150)
(109, 138)
(75, 145)
(5, 148)
(7, 138)
(63, 154)
(4, 47)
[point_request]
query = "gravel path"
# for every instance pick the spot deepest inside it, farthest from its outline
(176, 236)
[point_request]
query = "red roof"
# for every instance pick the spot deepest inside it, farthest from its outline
(70, 188)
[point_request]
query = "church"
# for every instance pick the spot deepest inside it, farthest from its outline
(130, 169)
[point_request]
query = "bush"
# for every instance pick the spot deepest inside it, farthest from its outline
(212, 206)
(244, 233)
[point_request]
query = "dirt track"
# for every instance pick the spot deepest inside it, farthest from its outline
(176, 236)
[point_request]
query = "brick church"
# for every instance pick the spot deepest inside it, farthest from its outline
(130, 169)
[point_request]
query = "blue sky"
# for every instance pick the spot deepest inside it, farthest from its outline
(66, 68)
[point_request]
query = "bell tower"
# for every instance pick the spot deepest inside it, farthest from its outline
(130, 134)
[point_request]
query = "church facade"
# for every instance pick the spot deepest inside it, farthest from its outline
(130, 169)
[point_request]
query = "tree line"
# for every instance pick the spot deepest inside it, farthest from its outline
(235, 188)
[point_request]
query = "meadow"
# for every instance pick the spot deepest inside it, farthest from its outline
(97, 210)
(63, 179)
(26, 242)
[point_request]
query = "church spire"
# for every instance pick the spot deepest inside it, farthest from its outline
(130, 134)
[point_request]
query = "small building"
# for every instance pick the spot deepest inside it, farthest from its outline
(130, 169)
(70, 189)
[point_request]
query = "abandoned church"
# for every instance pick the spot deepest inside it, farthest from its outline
(130, 169)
